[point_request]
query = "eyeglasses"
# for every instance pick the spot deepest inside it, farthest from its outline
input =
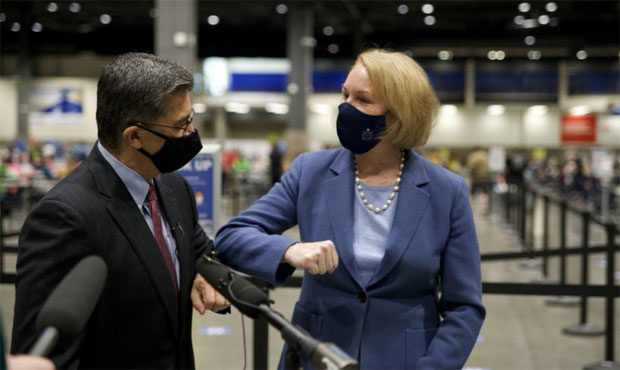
(184, 126)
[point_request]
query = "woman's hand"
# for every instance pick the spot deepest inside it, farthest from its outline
(316, 258)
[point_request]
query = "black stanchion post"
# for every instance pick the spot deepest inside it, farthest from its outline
(527, 226)
(523, 214)
(507, 204)
(545, 241)
(609, 362)
(563, 300)
(583, 328)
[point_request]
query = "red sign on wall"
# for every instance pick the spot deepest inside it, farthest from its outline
(578, 129)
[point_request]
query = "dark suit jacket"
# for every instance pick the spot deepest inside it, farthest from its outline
(139, 322)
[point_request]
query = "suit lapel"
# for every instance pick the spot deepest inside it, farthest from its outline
(411, 205)
(130, 220)
(338, 192)
(169, 206)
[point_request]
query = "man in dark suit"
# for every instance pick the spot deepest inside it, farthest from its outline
(124, 204)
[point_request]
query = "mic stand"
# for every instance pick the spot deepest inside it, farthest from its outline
(323, 355)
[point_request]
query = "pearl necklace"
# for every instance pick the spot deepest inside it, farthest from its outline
(358, 185)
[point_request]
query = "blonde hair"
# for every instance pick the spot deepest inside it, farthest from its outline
(404, 86)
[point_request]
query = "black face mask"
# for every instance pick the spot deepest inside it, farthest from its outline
(358, 131)
(176, 152)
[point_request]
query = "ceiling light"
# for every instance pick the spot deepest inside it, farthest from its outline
(333, 48)
(491, 55)
(448, 110)
(239, 108)
(75, 7)
(105, 19)
(519, 19)
(537, 110)
(500, 55)
(2, 17)
(551, 7)
(213, 20)
(52, 7)
(276, 108)
(543, 19)
(281, 8)
(445, 55)
(429, 20)
(534, 54)
(403, 9)
(427, 8)
(328, 30)
(199, 108)
(582, 54)
(524, 7)
(579, 110)
(530, 40)
(15, 27)
(37, 27)
(495, 110)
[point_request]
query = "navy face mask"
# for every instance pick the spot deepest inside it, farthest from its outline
(358, 131)
(175, 153)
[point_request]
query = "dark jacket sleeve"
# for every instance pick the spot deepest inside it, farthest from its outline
(52, 241)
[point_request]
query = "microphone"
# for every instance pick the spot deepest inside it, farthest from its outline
(253, 302)
(67, 309)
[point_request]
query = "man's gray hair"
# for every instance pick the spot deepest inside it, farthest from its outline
(133, 88)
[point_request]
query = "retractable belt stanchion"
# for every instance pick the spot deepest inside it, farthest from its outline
(566, 301)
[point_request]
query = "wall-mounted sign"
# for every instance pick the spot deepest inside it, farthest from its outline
(56, 105)
(578, 129)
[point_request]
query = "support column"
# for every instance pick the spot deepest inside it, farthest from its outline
(470, 83)
(221, 125)
(176, 31)
(300, 45)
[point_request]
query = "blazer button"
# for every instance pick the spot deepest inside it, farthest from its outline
(362, 297)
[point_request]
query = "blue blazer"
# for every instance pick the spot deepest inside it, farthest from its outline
(421, 309)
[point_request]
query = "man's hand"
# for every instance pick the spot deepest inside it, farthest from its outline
(205, 297)
(316, 258)
(27, 362)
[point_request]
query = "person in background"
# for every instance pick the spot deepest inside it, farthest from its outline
(124, 204)
(387, 238)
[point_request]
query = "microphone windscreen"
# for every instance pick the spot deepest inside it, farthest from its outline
(73, 300)
(239, 291)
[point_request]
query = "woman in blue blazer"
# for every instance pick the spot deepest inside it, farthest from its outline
(387, 237)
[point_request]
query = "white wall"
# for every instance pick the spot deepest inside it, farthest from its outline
(608, 131)
(8, 107)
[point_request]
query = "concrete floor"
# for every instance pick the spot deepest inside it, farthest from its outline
(520, 332)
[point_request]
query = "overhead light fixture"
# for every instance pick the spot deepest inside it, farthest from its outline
(534, 54)
(519, 19)
(429, 20)
(445, 55)
(495, 110)
(428, 8)
(403, 9)
(537, 110)
(239, 108)
(448, 110)
(37, 27)
(524, 7)
(530, 23)
(543, 19)
(199, 108)
(582, 55)
(15, 27)
(276, 108)
(281, 8)
(500, 55)
(321, 108)
(52, 7)
(328, 30)
(551, 7)
(75, 7)
(579, 110)
(333, 48)
(213, 20)
(530, 40)
(105, 19)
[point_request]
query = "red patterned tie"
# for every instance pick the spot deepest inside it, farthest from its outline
(151, 198)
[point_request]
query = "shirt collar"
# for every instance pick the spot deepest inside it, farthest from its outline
(136, 184)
